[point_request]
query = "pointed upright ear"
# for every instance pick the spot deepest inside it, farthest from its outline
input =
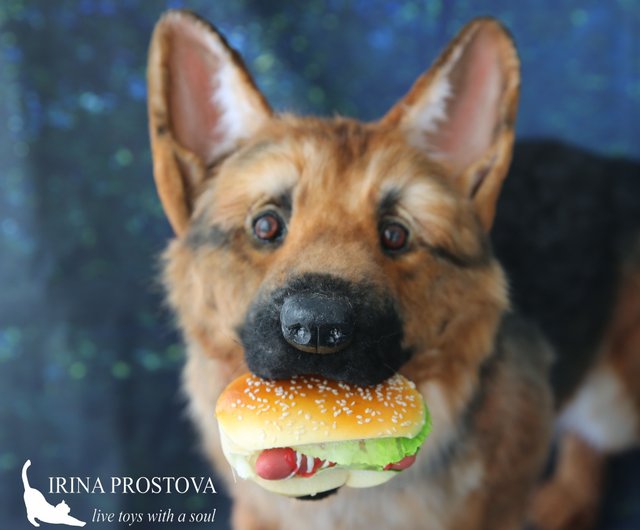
(461, 112)
(202, 103)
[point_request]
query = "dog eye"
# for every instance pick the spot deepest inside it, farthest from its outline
(394, 237)
(268, 227)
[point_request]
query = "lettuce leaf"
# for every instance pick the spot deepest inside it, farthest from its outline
(369, 454)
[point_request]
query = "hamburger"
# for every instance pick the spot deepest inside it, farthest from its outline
(309, 435)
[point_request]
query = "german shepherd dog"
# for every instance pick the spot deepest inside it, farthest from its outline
(396, 223)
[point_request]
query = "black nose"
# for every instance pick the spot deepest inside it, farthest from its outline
(316, 323)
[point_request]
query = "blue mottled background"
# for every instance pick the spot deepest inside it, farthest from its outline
(89, 361)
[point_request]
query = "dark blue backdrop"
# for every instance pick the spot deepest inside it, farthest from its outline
(89, 360)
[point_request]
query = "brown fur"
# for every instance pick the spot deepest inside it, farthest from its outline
(482, 372)
(624, 334)
(571, 499)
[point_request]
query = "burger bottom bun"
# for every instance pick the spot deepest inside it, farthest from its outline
(325, 480)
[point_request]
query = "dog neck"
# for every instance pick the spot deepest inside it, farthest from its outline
(454, 388)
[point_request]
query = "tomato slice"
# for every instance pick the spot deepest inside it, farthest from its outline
(308, 466)
(406, 462)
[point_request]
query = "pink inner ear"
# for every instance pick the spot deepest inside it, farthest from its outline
(192, 87)
(476, 82)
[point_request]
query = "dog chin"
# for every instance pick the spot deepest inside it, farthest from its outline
(318, 496)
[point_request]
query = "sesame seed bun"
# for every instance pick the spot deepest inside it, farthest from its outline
(259, 414)
(255, 414)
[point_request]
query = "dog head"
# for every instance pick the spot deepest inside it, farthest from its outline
(331, 246)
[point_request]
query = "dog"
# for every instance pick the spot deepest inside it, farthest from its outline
(398, 222)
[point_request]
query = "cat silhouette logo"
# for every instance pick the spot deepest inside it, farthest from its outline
(38, 507)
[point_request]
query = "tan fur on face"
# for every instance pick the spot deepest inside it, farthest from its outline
(337, 173)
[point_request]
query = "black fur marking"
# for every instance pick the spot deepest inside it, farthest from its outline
(202, 234)
(459, 260)
(318, 496)
(374, 354)
(564, 223)
(389, 202)
(284, 201)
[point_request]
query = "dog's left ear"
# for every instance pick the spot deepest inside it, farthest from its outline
(202, 104)
(462, 112)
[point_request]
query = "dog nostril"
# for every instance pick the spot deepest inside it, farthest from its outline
(334, 336)
(315, 323)
(300, 334)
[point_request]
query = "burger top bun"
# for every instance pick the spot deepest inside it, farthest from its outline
(257, 414)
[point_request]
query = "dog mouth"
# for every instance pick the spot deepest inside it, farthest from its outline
(318, 496)
(326, 326)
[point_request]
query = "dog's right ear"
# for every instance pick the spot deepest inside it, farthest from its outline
(202, 103)
(462, 111)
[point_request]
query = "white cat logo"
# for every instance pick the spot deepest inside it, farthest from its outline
(39, 508)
